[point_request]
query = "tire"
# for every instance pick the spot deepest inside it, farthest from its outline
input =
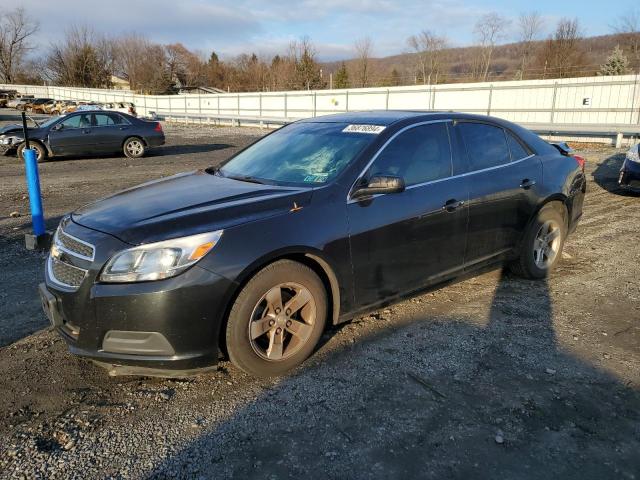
(41, 153)
(133, 147)
(262, 342)
(542, 244)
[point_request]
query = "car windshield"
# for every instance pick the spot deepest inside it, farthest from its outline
(299, 154)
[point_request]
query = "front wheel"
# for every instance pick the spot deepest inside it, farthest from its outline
(133, 147)
(41, 154)
(277, 319)
(542, 244)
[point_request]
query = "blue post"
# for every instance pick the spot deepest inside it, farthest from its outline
(35, 198)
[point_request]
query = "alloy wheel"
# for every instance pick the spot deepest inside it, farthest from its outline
(135, 147)
(282, 321)
(546, 244)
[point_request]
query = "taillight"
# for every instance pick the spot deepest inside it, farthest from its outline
(580, 161)
(158, 127)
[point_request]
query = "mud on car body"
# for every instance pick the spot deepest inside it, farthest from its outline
(311, 225)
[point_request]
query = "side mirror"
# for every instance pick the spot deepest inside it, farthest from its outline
(59, 126)
(379, 184)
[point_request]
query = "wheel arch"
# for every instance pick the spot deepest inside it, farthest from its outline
(309, 257)
(139, 137)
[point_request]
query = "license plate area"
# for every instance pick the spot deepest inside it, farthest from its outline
(50, 306)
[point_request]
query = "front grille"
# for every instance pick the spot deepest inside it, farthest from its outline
(74, 245)
(66, 274)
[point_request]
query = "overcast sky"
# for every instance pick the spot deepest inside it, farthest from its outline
(267, 26)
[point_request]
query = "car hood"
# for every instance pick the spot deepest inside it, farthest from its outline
(15, 128)
(186, 204)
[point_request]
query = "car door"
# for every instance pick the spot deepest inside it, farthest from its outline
(72, 136)
(402, 241)
(110, 130)
(504, 181)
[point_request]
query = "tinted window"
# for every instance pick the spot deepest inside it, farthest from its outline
(103, 120)
(486, 145)
(77, 121)
(517, 150)
(420, 154)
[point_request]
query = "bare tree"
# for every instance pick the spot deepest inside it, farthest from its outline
(530, 26)
(79, 60)
(15, 29)
(429, 49)
(489, 29)
(363, 47)
(562, 54)
(627, 26)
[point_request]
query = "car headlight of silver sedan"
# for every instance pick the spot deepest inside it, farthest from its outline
(156, 261)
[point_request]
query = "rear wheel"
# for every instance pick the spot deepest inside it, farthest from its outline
(542, 245)
(277, 319)
(41, 153)
(133, 147)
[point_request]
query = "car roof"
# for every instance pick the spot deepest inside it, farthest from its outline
(389, 117)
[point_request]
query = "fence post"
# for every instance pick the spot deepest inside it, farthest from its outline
(238, 104)
(260, 102)
(185, 104)
(314, 103)
(490, 96)
(386, 103)
(633, 101)
(285, 104)
(553, 101)
(346, 103)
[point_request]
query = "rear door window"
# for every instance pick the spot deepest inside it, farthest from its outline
(518, 151)
(418, 155)
(486, 145)
(103, 120)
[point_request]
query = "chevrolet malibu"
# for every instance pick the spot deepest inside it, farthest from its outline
(310, 226)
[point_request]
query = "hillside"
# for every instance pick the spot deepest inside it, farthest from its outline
(458, 62)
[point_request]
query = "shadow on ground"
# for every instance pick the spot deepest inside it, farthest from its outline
(485, 394)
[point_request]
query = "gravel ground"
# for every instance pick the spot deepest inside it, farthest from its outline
(491, 377)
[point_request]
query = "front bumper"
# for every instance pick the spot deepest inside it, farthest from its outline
(629, 178)
(170, 324)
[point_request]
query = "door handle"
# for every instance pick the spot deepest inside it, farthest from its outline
(526, 183)
(452, 205)
(86, 130)
(124, 128)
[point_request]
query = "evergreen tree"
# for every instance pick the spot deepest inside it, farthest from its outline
(342, 77)
(617, 63)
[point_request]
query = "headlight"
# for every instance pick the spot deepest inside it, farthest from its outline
(159, 260)
(632, 154)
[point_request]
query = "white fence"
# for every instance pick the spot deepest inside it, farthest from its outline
(576, 101)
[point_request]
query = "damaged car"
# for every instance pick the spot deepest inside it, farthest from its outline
(84, 133)
(313, 224)
(629, 178)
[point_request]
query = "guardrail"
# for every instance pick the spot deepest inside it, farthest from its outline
(234, 120)
(615, 131)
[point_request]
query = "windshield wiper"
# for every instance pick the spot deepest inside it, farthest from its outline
(245, 178)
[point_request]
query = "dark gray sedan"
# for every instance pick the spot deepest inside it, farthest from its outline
(85, 133)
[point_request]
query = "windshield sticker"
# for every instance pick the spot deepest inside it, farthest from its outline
(373, 129)
(319, 178)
